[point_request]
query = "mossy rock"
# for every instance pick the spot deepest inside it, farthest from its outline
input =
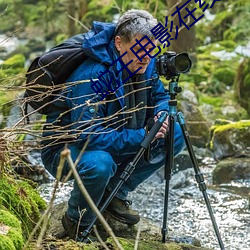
(10, 231)
(128, 244)
(13, 70)
(16, 61)
(228, 45)
(150, 235)
(231, 169)
(225, 75)
(22, 200)
(232, 139)
(221, 107)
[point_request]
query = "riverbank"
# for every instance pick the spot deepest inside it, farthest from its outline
(188, 215)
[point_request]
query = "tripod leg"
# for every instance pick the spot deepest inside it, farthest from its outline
(129, 168)
(199, 177)
(168, 173)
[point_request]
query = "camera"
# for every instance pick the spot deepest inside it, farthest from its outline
(172, 65)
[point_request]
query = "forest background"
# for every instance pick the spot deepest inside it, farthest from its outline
(218, 43)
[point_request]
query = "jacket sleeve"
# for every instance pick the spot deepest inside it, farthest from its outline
(88, 120)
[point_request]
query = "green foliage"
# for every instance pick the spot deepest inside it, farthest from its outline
(229, 23)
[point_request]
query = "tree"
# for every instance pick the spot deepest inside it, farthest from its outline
(186, 41)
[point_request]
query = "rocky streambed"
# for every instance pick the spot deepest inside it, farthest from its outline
(188, 215)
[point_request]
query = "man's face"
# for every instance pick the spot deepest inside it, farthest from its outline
(136, 63)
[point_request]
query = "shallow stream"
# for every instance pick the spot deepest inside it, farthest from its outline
(188, 215)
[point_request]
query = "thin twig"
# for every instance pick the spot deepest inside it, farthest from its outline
(77, 21)
(66, 154)
(99, 238)
(137, 236)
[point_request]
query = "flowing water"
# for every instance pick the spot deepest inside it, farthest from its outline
(187, 212)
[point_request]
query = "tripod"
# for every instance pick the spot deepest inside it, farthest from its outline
(173, 90)
(129, 169)
(169, 163)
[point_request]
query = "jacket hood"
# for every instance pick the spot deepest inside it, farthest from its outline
(98, 43)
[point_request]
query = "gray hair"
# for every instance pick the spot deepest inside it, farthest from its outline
(135, 22)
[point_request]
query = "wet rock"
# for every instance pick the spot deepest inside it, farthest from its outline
(197, 125)
(231, 169)
(190, 96)
(31, 167)
(181, 179)
(150, 234)
(232, 139)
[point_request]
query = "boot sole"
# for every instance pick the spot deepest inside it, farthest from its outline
(121, 219)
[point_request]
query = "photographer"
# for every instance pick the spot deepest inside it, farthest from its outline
(109, 118)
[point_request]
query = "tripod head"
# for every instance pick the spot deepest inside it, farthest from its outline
(174, 89)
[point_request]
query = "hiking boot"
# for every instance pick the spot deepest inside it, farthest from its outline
(121, 211)
(75, 231)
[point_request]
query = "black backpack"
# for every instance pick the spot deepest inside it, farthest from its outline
(48, 73)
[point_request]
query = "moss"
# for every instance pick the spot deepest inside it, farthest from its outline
(22, 200)
(128, 244)
(214, 101)
(236, 125)
(13, 239)
(6, 243)
(10, 220)
(16, 237)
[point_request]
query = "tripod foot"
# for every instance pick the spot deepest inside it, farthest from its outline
(164, 232)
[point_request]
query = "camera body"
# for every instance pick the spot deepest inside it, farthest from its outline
(172, 65)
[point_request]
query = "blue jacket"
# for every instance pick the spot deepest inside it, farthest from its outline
(105, 132)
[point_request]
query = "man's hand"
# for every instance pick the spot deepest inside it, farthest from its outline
(164, 128)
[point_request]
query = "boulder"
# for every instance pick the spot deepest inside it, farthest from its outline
(232, 139)
(197, 125)
(231, 169)
(150, 235)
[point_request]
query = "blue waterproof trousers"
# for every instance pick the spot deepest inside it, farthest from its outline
(99, 171)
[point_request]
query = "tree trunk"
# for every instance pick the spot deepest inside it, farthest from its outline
(83, 7)
(72, 14)
(186, 40)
